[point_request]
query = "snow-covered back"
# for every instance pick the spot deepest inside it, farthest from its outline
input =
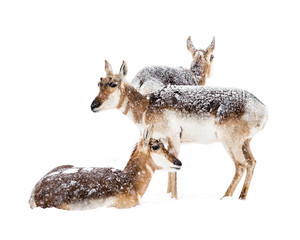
(67, 184)
(153, 78)
(223, 102)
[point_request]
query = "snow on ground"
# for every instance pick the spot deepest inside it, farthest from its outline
(52, 56)
(198, 213)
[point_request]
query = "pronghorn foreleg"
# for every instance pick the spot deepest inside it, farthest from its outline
(174, 147)
(250, 164)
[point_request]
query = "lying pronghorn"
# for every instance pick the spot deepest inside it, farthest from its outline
(154, 78)
(69, 188)
(191, 114)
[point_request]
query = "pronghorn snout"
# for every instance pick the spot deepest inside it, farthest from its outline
(177, 164)
(95, 105)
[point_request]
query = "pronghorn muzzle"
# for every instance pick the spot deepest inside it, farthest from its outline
(177, 164)
(95, 105)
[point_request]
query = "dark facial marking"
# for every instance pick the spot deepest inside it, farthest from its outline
(112, 84)
(155, 144)
(155, 147)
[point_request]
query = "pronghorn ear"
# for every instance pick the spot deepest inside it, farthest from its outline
(148, 134)
(108, 68)
(190, 46)
(123, 69)
(211, 46)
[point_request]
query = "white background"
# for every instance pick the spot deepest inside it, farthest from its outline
(51, 58)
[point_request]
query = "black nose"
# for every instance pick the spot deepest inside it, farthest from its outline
(177, 163)
(95, 104)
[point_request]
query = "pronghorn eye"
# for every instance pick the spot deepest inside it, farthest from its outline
(212, 57)
(111, 84)
(155, 147)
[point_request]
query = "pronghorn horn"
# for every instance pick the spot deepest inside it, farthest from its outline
(148, 133)
(211, 46)
(190, 46)
(108, 68)
(123, 69)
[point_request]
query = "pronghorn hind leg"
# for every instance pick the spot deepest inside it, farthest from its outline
(239, 170)
(251, 162)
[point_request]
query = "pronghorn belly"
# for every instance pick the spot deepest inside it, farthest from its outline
(198, 130)
(87, 204)
(194, 128)
(121, 200)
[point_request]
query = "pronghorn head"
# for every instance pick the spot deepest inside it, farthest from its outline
(161, 157)
(203, 56)
(110, 88)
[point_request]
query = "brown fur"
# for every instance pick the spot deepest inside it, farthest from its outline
(202, 60)
(135, 101)
(210, 102)
(105, 90)
(235, 116)
(80, 186)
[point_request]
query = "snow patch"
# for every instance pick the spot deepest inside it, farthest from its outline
(54, 173)
(71, 170)
(87, 169)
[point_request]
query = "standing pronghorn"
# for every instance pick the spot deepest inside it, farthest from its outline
(67, 187)
(154, 78)
(191, 114)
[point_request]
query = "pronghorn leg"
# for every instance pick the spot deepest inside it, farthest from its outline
(251, 162)
(174, 185)
(239, 171)
(169, 182)
(172, 176)
(239, 161)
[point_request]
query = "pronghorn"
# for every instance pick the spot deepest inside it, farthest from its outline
(191, 114)
(154, 78)
(71, 188)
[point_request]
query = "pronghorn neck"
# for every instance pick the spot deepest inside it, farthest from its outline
(132, 103)
(141, 168)
(198, 71)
